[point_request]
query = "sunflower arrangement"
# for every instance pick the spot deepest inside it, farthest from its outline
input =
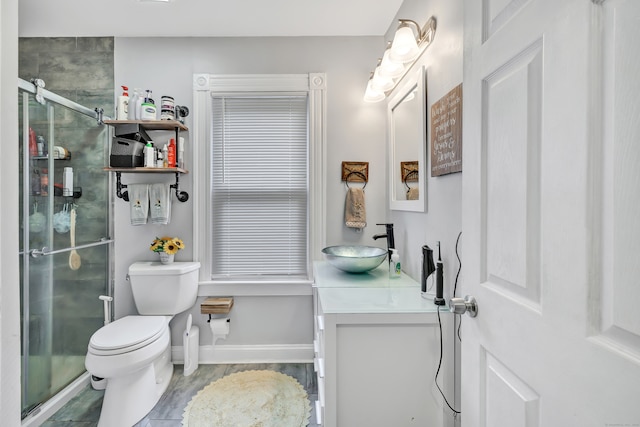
(170, 245)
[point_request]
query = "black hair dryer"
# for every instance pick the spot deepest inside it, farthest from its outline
(428, 267)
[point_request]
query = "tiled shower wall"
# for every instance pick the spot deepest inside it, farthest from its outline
(81, 70)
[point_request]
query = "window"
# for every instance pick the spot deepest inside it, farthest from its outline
(258, 153)
(259, 186)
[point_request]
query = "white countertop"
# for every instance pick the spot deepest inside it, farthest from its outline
(328, 276)
(371, 292)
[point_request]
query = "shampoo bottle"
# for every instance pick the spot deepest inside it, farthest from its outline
(171, 155)
(122, 110)
(395, 268)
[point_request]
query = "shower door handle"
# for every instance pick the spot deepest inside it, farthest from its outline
(36, 253)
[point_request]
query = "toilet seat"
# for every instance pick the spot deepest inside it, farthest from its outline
(127, 334)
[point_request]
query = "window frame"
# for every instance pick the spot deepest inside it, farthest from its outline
(204, 86)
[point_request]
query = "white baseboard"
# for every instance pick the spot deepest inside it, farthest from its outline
(227, 354)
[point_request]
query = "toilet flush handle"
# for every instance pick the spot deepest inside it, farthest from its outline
(107, 307)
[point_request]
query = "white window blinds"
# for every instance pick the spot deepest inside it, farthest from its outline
(259, 187)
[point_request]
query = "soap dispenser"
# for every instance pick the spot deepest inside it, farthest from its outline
(395, 268)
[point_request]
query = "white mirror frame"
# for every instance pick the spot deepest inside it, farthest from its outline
(412, 81)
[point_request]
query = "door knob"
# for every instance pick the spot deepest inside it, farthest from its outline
(467, 305)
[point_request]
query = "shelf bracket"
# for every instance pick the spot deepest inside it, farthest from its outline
(182, 196)
(119, 187)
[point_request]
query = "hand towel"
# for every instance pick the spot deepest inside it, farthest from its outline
(160, 196)
(138, 203)
(355, 215)
(413, 193)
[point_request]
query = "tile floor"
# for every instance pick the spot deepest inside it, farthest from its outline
(84, 409)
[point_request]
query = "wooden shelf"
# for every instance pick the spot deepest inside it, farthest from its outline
(151, 124)
(146, 170)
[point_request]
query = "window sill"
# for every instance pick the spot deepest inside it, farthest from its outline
(229, 288)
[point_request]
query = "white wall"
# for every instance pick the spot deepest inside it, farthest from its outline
(442, 221)
(10, 279)
(355, 132)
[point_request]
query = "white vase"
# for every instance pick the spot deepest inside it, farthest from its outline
(165, 258)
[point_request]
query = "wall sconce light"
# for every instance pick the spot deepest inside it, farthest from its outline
(408, 44)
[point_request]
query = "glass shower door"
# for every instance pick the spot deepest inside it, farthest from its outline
(62, 154)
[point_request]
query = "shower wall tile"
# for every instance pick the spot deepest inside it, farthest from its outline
(81, 70)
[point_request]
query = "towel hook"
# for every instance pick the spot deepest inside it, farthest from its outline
(406, 178)
(364, 178)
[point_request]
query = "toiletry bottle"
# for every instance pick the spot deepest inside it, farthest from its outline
(159, 159)
(133, 101)
(138, 104)
(165, 155)
(395, 268)
(171, 155)
(181, 152)
(67, 182)
(149, 156)
(122, 110)
(149, 110)
(33, 145)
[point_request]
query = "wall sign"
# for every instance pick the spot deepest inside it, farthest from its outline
(446, 133)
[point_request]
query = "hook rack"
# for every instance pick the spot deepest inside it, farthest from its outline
(182, 196)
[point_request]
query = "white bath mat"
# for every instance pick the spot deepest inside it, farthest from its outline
(249, 399)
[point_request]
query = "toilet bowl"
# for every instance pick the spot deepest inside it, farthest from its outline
(133, 353)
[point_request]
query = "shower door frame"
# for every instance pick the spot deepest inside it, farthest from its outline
(27, 90)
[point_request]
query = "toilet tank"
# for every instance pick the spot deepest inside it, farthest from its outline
(160, 289)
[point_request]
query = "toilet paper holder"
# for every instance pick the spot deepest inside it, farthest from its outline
(218, 309)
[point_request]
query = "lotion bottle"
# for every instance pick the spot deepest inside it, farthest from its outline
(395, 268)
(149, 156)
(122, 110)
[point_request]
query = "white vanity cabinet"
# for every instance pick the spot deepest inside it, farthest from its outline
(377, 344)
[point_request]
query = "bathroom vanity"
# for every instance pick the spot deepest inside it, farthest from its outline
(377, 349)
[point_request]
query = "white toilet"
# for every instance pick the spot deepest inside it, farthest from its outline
(133, 353)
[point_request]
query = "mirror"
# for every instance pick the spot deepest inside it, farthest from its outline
(407, 144)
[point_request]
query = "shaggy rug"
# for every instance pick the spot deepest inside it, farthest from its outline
(249, 399)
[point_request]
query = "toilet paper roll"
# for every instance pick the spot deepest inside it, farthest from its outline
(219, 328)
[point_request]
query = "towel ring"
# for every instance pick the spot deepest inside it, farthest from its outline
(364, 178)
(406, 178)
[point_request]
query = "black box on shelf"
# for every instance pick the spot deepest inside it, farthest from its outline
(132, 131)
(126, 153)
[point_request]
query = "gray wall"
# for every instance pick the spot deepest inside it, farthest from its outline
(355, 132)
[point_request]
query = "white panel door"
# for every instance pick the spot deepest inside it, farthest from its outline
(551, 208)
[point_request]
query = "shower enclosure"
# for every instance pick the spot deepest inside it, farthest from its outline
(62, 152)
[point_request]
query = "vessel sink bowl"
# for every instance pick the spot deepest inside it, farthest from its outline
(354, 258)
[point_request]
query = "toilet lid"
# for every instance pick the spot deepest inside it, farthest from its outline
(128, 333)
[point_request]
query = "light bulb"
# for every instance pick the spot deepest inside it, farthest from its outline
(404, 47)
(372, 95)
(389, 67)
